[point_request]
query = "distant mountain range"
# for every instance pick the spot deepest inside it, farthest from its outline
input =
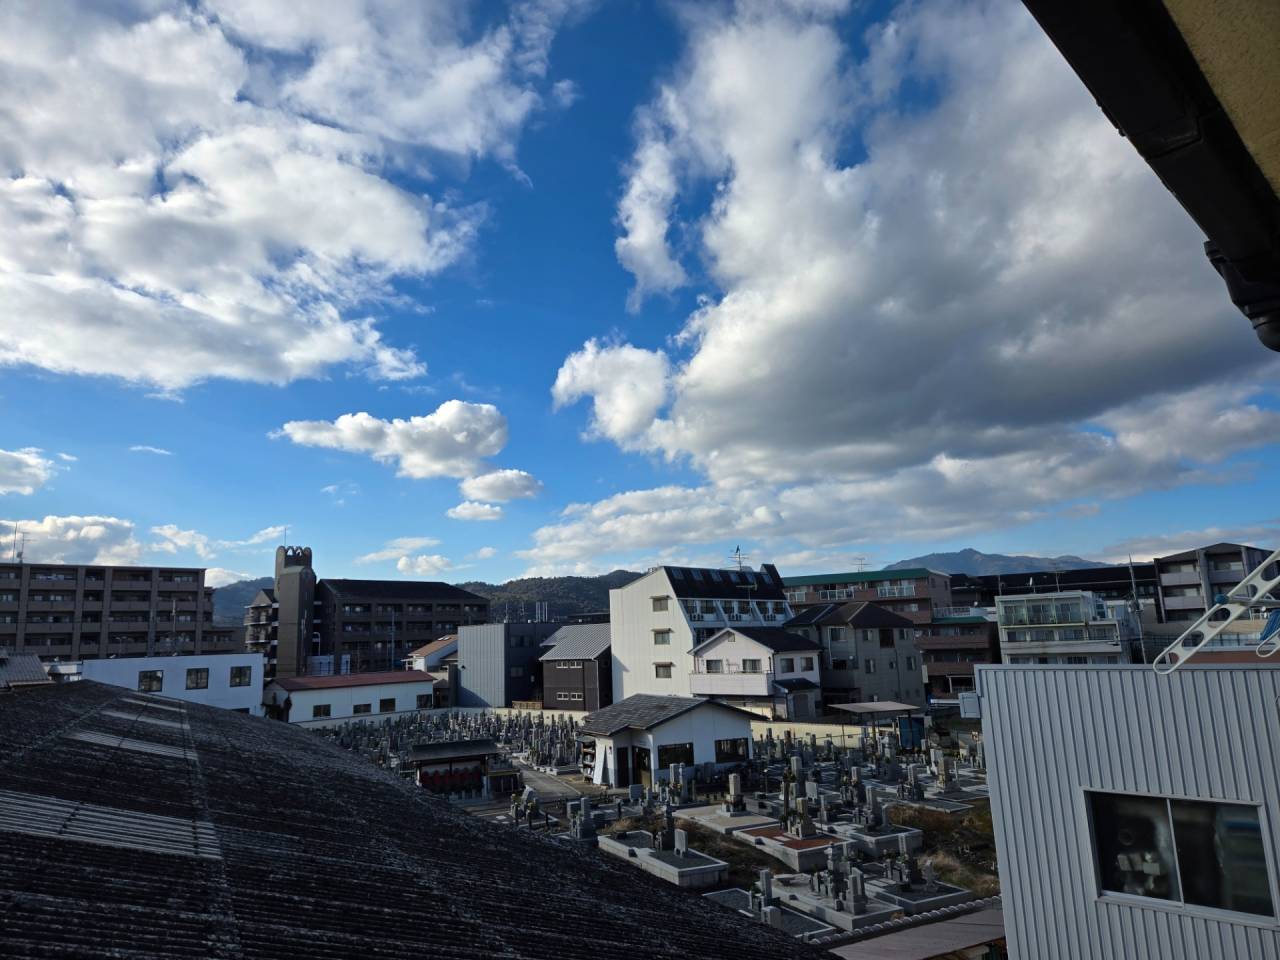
(565, 596)
(977, 564)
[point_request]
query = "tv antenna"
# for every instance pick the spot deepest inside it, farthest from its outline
(738, 559)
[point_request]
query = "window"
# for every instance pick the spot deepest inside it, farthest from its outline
(515, 672)
(675, 753)
(839, 664)
(568, 664)
(715, 666)
(787, 665)
(871, 666)
(886, 637)
(575, 695)
(319, 711)
(362, 708)
(659, 604)
(911, 663)
(731, 751)
(1196, 852)
(241, 676)
(198, 678)
(835, 634)
(662, 637)
(662, 671)
(562, 695)
(387, 705)
(150, 681)
(750, 666)
(806, 663)
(424, 701)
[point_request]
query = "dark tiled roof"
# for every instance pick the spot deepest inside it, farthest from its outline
(642, 711)
(17, 669)
(777, 639)
(712, 584)
(452, 750)
(795, 683)
(861, 614)
(267, 595)
(577, 641)
(400, 590)
(353, 680)
(298, 848)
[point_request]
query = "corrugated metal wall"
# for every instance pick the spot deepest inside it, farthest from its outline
(1053, 732)
(482, 666)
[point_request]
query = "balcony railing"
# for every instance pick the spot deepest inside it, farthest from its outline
(908, 591)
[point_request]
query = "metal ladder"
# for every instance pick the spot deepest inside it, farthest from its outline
(1255, 591)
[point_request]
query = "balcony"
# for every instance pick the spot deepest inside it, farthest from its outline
(888, 592)
(1184, 603)
(734, 684)
(1186, 578)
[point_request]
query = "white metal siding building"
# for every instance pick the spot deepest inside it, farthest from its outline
(324, 701)
(232, 681)
(1136, 815)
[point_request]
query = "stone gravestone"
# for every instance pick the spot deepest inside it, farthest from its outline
(681, 843)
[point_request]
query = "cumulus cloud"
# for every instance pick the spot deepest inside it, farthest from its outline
(75, 539)
(145, 448)
(470, 510)
(24, 471)
(924, 322)
(484, 553)
(173, 538)
(205, 191)
(221, 576)
(449, 442)
(501, 486)
(627, 387)
(397, 548)
(424, 564)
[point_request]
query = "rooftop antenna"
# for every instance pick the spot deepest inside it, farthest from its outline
(862, 563)
(738, 558)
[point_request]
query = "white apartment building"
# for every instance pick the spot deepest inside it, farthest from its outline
(657, 620)
(766, 670)
(232, 681)
(1069, 627)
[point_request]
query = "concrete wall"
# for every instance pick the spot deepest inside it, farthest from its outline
(1053, 733)
(123, 672)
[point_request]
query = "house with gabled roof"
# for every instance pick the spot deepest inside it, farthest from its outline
(768, 670)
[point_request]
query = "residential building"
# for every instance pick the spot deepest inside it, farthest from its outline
(1189, 581)
(226, 838)
(912, 593)
(767, 670)
(657, 619)
(869, 652)
(94, 611)
(329, 700)
(433, 656)
(1071, 627)
(1135, 814)
(953, 645)
(638, 739)
(577, 669)
(305, 626)
(232, 681)
(1119, 581)
(498, 663)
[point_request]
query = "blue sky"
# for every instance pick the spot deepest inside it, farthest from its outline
(656, 280)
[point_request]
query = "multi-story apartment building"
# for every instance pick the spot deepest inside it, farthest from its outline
(309, 626)
(912, 593)
(951, 646)
(1071, 627)
(868, 652)
(93, 611)
(1190, 580)
(657, 619)
(1114, 582)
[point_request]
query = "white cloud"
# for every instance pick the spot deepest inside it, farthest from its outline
(24, 471)
(221, 576)
(173, 538)
(470, 510)
(204, 191)
(67, 458)
(449, 442)
(144, 448)
(484, 553)
(501, 486)
(76, 539)
(397, 548)
(627, 387)
(424, 564)
(1143, 548)
(925, 322)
